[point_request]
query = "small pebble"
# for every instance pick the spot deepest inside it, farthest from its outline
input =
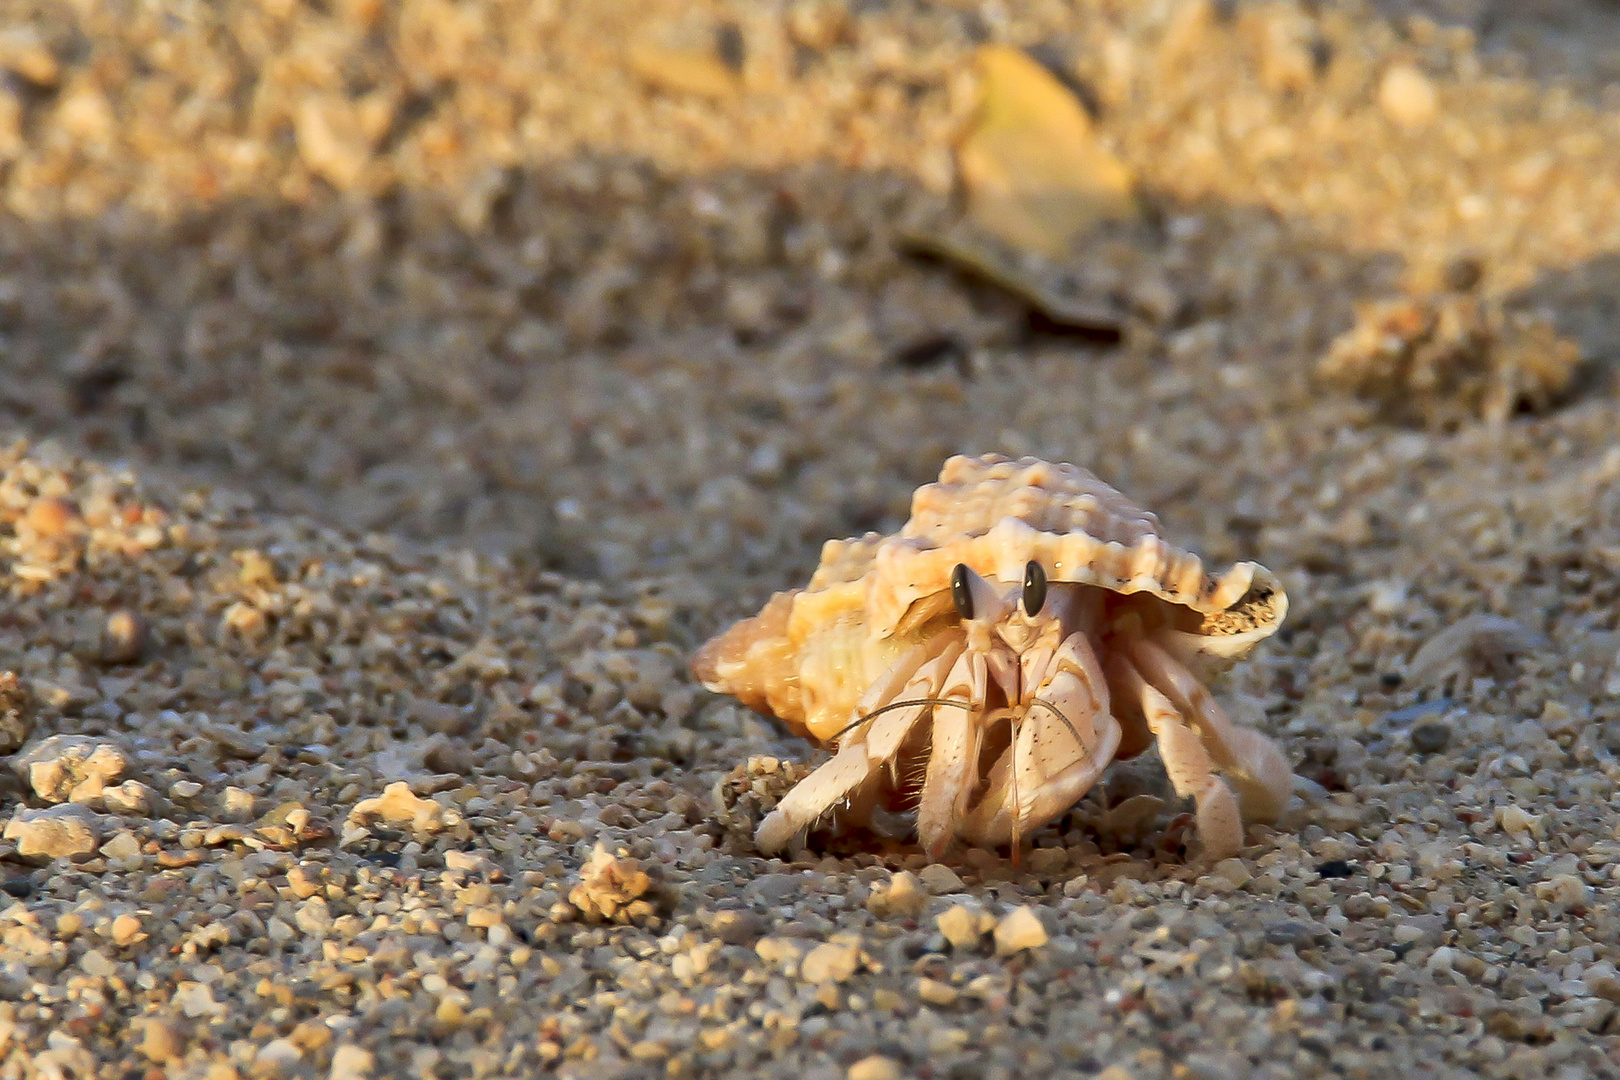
(1288, 932)
(1564, 892)
(1406, 933)
(161, 1042)
(935, 992)
(875, 1067)
(64, 831)
(350, 1062)
(1407, 96)
(939, 879)
(1431, 737)
(399, 805)
(960, 926)
(278, 1057)
(196, 999)
(830, 962)
(484, 918)
(301, 883)
(614, 889)
(245, 620)
(51, 518)
(1413, 712)
(126, 930)
(71, 768)
(311, 1034)
(95, 964)
(1516, 821)
(736, 927)
(236, 804)
(1020, 929)
(122, 846)
(123, 638)
(904, 895)
(682, 67)
(314, 918)
(27, 55)
(131, 798)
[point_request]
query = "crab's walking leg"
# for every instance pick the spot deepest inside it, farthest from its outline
(953, 759)
(864, 751)
(1064, 741)
(1252, 762)
(1220, 822)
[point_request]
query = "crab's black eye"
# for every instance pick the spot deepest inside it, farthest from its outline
(1034, 588)
(961, 595)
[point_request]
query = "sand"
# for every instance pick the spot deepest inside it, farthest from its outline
(398, 395)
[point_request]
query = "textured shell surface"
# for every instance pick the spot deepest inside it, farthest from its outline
(811, 653)
(996, 515)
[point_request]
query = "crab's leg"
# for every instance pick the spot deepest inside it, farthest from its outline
(953, 759)
(1126, 695)
(1064, 740)
(1190, 767)
(1252, 762)
(862, 754)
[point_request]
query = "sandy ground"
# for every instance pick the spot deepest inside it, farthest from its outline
(409, 389)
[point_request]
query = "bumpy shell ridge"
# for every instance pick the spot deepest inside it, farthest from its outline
(995, 514)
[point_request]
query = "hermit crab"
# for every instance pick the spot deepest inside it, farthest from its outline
(1026, 626)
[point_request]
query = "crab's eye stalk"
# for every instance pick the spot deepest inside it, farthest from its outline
(1034, 588)
(961, 594)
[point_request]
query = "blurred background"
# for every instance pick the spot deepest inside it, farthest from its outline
(628, 287)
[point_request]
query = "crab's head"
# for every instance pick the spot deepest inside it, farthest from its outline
(1016, 614)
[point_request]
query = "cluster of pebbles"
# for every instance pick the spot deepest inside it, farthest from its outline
(469, 367)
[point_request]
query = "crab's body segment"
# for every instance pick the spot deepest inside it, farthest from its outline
(1024, 628)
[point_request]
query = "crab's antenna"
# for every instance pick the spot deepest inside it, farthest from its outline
(891, 706)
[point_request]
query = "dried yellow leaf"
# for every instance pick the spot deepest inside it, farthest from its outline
(1035, 174)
